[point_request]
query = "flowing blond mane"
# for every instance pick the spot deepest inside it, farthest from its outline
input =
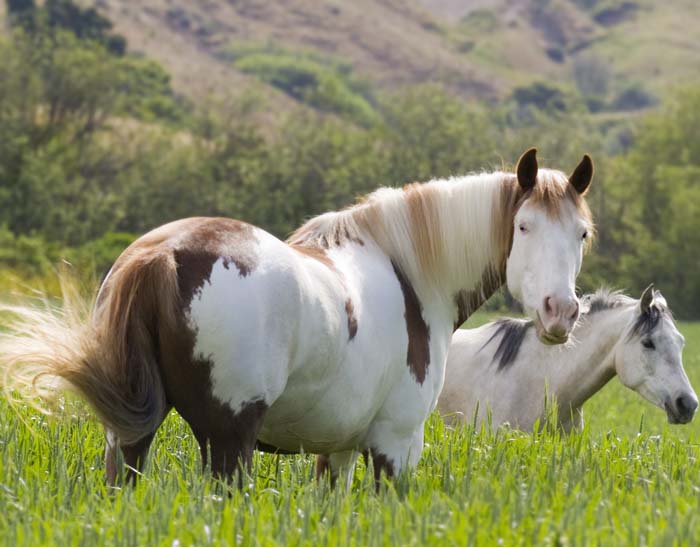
(430, 230)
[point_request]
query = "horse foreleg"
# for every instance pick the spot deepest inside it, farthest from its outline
(335, 465)
(392, 455)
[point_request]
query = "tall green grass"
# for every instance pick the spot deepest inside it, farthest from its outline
(628, 478)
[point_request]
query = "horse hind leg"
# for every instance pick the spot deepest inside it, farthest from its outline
(228, 448)
(337, 465)
(112, 457)
(134, 457)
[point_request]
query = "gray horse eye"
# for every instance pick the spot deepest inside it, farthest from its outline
(648, 343)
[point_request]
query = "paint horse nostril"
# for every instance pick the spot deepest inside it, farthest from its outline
(574, 311)
(686, 405)
(548, 307)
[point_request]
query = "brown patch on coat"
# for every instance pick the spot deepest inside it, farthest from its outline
(184, 253)
(272, 449)
(418, 352)
(503, 214)
(352, 320)
(197, 242)
(468, 301)
(211, 240)
(380, 463)
(323, 468)
(227, 437)
(317, 253)
(423, 215)
(320, 255)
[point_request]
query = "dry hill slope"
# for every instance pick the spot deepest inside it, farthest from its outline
(478, 48)
(389, 41)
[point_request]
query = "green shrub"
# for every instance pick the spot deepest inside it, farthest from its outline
(633, 97)
(145, 92)
(324, 86)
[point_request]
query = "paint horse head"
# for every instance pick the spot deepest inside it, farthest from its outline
(551, 226)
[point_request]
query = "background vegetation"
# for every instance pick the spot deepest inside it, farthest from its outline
(97, 146)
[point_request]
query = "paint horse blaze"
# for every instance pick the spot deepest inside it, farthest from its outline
(333, 342)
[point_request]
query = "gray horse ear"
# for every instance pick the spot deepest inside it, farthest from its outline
(581, 178)
(527, 169)
(647, 298)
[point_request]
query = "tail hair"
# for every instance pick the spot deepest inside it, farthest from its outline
(105, 349)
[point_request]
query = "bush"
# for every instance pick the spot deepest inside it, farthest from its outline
(541, 96)
(145, 92)
(323, 86)
(632, 98)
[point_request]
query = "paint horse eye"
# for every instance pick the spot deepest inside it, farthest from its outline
(647, 343)
(585, 235)
(523, 229)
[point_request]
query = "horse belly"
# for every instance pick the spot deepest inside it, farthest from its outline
(340, 381)
(331, 414)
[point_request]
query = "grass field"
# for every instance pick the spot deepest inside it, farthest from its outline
(629, 478)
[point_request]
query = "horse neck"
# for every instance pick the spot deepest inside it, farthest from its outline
(450, 238)
(591, 363)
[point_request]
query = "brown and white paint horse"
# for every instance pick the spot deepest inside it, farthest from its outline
(333, 342)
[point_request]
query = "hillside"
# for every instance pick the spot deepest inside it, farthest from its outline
(385, 41)
(651, 42)
(482, 48)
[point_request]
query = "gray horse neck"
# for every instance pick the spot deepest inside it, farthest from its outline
(592, 363)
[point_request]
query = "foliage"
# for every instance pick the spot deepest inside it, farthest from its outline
(66, 16)
(322, 85)
(60, 173)
(592, 76)
(653, 224)
(92, 144)
(633, 97)
(434, 134)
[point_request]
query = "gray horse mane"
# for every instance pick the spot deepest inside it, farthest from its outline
(606, 299)
(603, 299)
(510, 333)
(647, 321)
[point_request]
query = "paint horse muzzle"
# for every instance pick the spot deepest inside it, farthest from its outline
(558, 317)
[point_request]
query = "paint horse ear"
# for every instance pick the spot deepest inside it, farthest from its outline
(646, 299)
(582, 175)
(527, 169)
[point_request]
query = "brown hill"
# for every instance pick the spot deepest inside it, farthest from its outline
(624, 52)
(387, 41)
